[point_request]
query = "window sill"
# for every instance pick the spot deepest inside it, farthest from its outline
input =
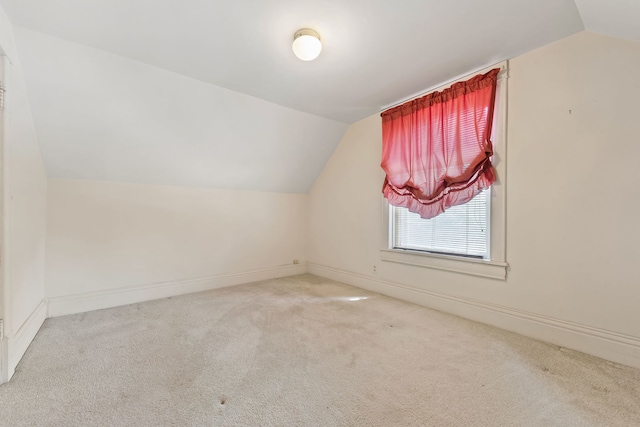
(474, 267)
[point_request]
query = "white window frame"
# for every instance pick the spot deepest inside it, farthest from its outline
(495, 267)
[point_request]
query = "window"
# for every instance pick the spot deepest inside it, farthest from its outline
(468, 238)
(461, 230)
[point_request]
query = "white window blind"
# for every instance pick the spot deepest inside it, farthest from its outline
(460, 230)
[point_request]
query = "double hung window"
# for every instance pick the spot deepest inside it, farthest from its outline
(444, 188)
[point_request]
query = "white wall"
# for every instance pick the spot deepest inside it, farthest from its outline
(572, 206)
(25, 205)
(115, 243)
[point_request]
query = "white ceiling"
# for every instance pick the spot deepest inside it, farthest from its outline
(375, 51)
(209, 93)
(103, 117)
(618, 18)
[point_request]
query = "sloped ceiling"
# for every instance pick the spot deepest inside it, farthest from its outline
(208, 92)
(618, 18)
(103, 117)
(375, 51)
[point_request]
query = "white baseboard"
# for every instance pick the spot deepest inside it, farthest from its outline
(18, 343)
(620, 348)
(80, 303)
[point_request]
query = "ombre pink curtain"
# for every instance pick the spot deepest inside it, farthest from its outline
(436, 149)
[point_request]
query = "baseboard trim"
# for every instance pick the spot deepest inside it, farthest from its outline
(18, 343)
(613, 346)
(89, 301)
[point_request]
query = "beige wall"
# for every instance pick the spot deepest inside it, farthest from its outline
(572, 204)
(105, 236)
(25, 210)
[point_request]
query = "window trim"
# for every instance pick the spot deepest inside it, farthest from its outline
(496, 267)
(473, 266)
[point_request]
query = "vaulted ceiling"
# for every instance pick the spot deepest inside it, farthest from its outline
(209, 93)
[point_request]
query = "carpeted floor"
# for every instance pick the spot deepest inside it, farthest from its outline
(305, 351)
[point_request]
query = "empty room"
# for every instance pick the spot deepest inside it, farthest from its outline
(319, 213)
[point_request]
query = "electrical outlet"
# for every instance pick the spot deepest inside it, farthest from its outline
(375, 269)
(296, 261)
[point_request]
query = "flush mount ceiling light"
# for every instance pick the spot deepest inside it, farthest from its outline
(306, 44)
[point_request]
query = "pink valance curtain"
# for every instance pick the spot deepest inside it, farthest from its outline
(436, 149)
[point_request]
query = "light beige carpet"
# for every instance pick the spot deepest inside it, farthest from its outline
(305, 351)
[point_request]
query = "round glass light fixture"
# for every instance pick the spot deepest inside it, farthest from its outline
(306, 44)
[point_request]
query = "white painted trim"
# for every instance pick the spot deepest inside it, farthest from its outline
(5, 290)
(472, 266)
(80, 303)
(19, 342)
(4, 355)
(620, 348)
